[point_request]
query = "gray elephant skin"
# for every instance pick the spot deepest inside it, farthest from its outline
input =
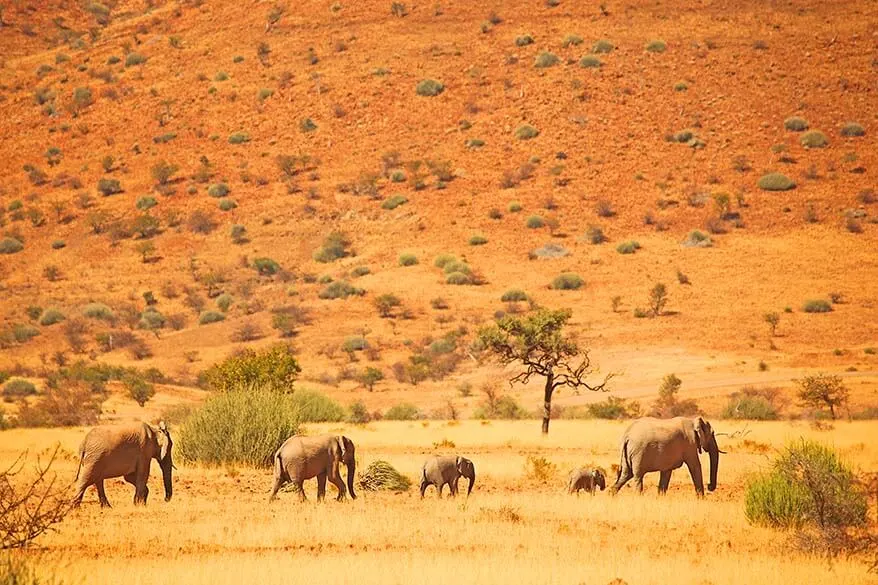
(301, 458)
(124, 451)
(663, 445)
(439, 471)
(586, 479)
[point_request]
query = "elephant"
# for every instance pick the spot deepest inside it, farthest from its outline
(439, 471)
(301, 458)
(586, 479)
(651, 444)
(124, 451)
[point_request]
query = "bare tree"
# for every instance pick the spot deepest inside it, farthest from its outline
(29, 506)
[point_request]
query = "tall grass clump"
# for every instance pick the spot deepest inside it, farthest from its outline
(750, 405)
(381, 476)
(429, 88)
(98, 311)
(776, 182)
(315, 406)
(814, 139)
(239, 427)
(603, 46)
(402, 411)
(567, 281)
(795, 124)
(817, 306)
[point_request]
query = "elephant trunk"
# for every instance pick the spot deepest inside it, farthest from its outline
(714, 467)
(472, 482)
(167, 471)
(352, 467)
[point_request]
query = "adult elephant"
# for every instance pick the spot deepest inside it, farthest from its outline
(663, 445)
(124, 451)
(301, 458)
(439, 471)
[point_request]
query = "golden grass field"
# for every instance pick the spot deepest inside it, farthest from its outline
(220, 529)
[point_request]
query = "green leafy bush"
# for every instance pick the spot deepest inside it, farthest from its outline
(224, 301)
(535, 222)
(795, 124)
(10, 246)
(478, 240)
(458, 278)
(239, 427)
(817, 306)
(852, 129)
(524, 40)
(656, 46)
(51, 317)
(407, 259)
(681, 86)
(457, 266)
(814, 139)
(526, 132)
(402, 411)
(514, 207)
(146, 202)
(750, 405)
(208, 317)
(546, 59)
(595, 235)
(443, 259)
(18, 388)
(514, 295)
(335, 246)
(776, 182)
(132, 59)
(218, 190)
(567, 281)
(98, 311)
(394, 202)
(590, 62)
(628, 247)
(808, 484)
(429, 88)
(571, 40)
(603, 46)
(109, 187)
(23, 333)
(274, 369)
(266, 266)
(614, 408)
(340, 290)
(503, 408)
(313, 406)
(227, 204)
(239, 138)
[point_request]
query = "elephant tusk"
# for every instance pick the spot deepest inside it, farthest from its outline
(174, 467)
(721, 451)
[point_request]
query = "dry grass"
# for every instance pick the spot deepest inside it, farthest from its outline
(220, 529)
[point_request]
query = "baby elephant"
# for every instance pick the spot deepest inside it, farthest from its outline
(439, 471)
(586, 479)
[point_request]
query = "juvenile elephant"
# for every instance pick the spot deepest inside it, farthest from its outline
(652, 444)
(124, 451)
(586, 479)
(301, 458)
(439, 471)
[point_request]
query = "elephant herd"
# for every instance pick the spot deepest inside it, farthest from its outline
(648, 445)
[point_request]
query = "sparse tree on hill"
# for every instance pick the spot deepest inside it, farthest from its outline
(370, 377)
(139, 389)
(773, 319)
(658, 298)
(823, 390)
(537, 341)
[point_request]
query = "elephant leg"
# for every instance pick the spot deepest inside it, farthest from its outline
(321, 487)
(439, 490)
(102, 495)
(664, 480)
(638, 483)
(278, 483)
(625, 475)
(336, 480)
(453, 487)
(132, 479)
(694, 466)
(80, 492)
(424, 484)
(301, 485)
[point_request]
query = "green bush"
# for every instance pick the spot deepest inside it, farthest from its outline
(51, 317)
(429, 88)
(567, 281)
(443, 259)
(514, 207)
(98, 311)
(603, 46)
(681, 86)
(535, 222)
(407, 259)
(852, 129)
(394, 202)
(313, 406)
(656, 46)
(526, 132)
(513, 295)
(795, 124)
(402, 411)
(340, 290)
(274, 369)
(208, 317)
(458, 278)
(132, 59)
(749, 407)
(218, 190)
(571, 40)
(614, 408)
(808, 485)
(151, 319)
(354, 343)
(595, 235)
(628, 247)
(546, 59)
(814, 139)
(524, 40)
(17, 388)
(10, 246)
(146, 202)
(227, 204)
(358, 413)
(307, 125)
(109, 187)
(239, 427)
(478, 240)
(335, 246)
(817, 306)
(503, 408)
(590, 62)
(266, 266)
(457, 266)
(360, 271)
(239, 138)
(58, 244)
(776, 182)
(224, 302)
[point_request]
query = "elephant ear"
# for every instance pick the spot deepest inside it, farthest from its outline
(164, 438)
(340, 446)
(700, 432)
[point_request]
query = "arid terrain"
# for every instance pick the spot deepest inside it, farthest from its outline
(186, 179)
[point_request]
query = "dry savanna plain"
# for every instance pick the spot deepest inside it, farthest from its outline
(371, 182)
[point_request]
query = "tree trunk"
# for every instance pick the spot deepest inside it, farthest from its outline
(832, 410)
(547, 402)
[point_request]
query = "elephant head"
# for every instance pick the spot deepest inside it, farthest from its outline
(466, 469)
(705, 440)
(345, 453)
(163, 456)
(599, 479)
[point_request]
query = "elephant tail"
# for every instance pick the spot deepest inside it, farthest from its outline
(624, 463)
(279, 472)
(81, 458)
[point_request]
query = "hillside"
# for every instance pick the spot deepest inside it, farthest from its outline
(175, 100)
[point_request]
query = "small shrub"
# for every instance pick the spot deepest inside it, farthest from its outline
(567, 281)
(218, 190)
(478, 240)
(681, 86)
(227, 204)
(614, 408)
(429, 88)
(852, 129)
(514, 207)
(402, 411)
(98, 311)
(307, 125)
(458, 278)
(208, 317)
(359, 414)
(10, 246)
(514, 295)
(546, 59)
(526, 132)
(795, 124)
(224, 302)
(394, 202)
(266, 266)
(524, 40)
(697, 239)
(595, 235)
(340, 290)
(656, 46)
(133, 59)
(817, 306)
(814, 139)
(749, 406)
(18, 388)
(407, 259)
(535, 222)
(239, 138)
(109, 187)
(200, 222)
(571, 40)
(335, 246)
(381, 476)
(775, 182)
(628, 247)
(590, 62)
(360, 271)
(604, 208)
(147, 202)
(603, 46)
(51, 317)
